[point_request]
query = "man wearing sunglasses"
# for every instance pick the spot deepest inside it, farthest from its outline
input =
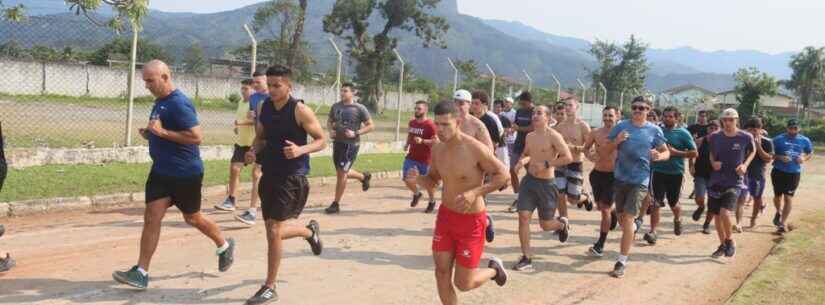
(569, 178)
(639, 143)
(792, 150)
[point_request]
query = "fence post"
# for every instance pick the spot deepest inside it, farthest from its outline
(400, 96)
(131, 85)
(88, 79)
(43, 84)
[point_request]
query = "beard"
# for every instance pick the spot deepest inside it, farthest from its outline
(418, 116)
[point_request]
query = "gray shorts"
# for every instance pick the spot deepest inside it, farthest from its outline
(538, 193)
(628, 197)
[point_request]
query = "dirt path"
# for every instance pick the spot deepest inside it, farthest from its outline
(376, 252)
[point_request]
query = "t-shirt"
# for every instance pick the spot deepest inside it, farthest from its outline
(493, 129)
(732, 152)
(792, 147)
(757, 167)
(633, 157)
(679, 139)
(698, 131)
(176, 113)
(246, 133)
(524, 117)
(511, 118)
(255, 99)
(424, 130)
(702, 166)
(348, 117)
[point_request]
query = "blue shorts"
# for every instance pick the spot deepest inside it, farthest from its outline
(423, 169)
(756, 186)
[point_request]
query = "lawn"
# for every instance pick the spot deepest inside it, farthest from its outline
(84, 180)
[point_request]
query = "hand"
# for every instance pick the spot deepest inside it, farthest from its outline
(654, 155)
(250, 156)
(250, 115)
(418, 140)
(292, 151)
(144, 133)
(624, 135)
(349, 133)
(741, 170)
(156, 127)
(717, 165)
(466, 199)
(800, 159)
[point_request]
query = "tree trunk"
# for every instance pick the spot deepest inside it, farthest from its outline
(295, 47)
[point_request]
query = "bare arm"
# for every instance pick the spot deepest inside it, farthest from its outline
(368, 126)
(306, 119)
(589, 142)
(483, 136)
(664, 153)
(750, 157)
(431, 180)
(762, 154)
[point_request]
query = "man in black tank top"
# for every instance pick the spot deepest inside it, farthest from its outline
(281, 142)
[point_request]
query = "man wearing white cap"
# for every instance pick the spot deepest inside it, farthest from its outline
(468, 124)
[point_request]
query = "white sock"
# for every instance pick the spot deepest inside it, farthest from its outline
(252, 211)
(222, 248)
(623, 259)
(143, 272)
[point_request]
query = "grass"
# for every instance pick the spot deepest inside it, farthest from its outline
(794, 273)
(85, 180)
(108, 102)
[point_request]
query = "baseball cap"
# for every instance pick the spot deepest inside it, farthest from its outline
(463, 95)
(793, 123)
(729, 113)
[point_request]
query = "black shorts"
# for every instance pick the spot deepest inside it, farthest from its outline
(184, 192)
(3, 171)
(344, 155)
(602, 184)
(784, 183)
(723, 200)
(239, 154)
(667, 186)
(283, 198)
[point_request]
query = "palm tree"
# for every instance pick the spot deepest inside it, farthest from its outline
(808, 74)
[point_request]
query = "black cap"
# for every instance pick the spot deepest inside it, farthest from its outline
(793, 123)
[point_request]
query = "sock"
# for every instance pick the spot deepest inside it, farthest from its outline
(223, 248)
(602, 238)
(623, 259)
(142, 272)
(231, 198)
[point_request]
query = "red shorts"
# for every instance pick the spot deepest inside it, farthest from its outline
(462, 234)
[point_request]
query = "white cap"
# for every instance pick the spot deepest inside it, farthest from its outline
(509, 99)
(729, 113)
(463, 95)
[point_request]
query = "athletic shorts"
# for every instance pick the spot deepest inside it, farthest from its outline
(569, 180)
(628, 197)
(535, 193)
(239, 153)
(725, 199)
(185, 192)
(409, 164)
(283, 198)
(344, 155)
(700, 187)
(756, 186)
(602, 184)
(784, 183)
(462, 234)
(514, 157)
(667, 186)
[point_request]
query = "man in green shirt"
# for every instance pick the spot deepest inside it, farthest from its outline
(668, 175)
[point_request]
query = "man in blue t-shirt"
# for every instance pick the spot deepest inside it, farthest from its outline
(792, 149)
(261, 90)
(639, 143)
(176, 177)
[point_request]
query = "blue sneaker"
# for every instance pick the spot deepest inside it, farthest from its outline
(227, 205)
(227, 257)
(133, 278)
(247, 217)
(490, 234)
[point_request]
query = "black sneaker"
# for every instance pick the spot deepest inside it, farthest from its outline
(588, 204)
(513, 207)
(650, 238)
(677, 227)
(618, 270)
(490, 233)
(227, 257)
(333, 208)
(7, 263)
(614, 220)
(564, 233)
(706, 228)
(133, 278)
(365, 185)
(315, 240)
(415, 199)
(698, 213)
(596, 250)
(777, 219)
(639, 222)
(264, 295)
(730, 248)
(430, 207)
(524, 264)
(781, 230)
(2, 230)
(719, 251)
(501, 274)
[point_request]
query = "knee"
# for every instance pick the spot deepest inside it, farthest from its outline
(192, 219)
(462, 285)
(273, 231)
(523, 219)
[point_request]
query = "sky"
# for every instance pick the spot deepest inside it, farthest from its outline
(708, 25)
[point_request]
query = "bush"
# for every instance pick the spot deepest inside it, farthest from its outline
(234, 98)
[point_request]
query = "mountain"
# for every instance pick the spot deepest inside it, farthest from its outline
(49, 7)
(726, 61)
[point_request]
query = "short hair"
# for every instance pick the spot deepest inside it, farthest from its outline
(446, 107)
(569, 98)
(606, 108)
(546, 109)
(247, 82)
(422, 102)
(258, 73)
(656, 111)
(642, 99)
(754, 122)
(674, 110)
(558, 105)
(498, 103)
(349, 85)
(279, 71)
(481, 96)
(525, 96)
(714, 123)
(705, 112)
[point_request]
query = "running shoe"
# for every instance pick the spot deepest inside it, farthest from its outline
(677, 227)
(618, 270)
(781, 230)
(265, 295)
(639, 222)
(596, 250)
(315, 240)
(698, 213)
(2, 230)
(650, 238)
(490, 233)
(777, 219)
(247, 217)
(133, 278)
(736, 228)
(588, 204)
(365, 185)
(730, 248)
(501, 274)
(524, 264)
(564, 233)
(333, 208)
(430, 207)
(719, 251)
(706, 228)
(415, 199)
(513, 207)
(614, 220)
(7, 263)
(227, 205)
(227, 257)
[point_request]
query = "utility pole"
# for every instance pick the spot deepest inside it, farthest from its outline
(455, 74)
(400, 96)
(254, 57)
(558, 86)
(493, 83)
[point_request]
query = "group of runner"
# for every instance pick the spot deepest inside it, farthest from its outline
(469, 152)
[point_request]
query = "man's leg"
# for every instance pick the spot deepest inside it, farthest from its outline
(725, 222)
(757, 206)
(740, 210)
(444, 262)
(353, 174)
(276, 233)
(206, 226)
(234, 179)
(524, 231)
(562, 206)
(340, 184)
(256, 179)
(468, 279)
(152, 219)
(786, 210)
(628, 233)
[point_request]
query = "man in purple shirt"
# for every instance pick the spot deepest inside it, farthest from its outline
(731, 151)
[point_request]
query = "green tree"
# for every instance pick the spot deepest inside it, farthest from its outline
(193, 59)
(121, 48)
(808, 78)
(15, 13)
(620, 68)
(351, 20)
(751, 85)
(467, 69)
(284, 20)
(132, 11)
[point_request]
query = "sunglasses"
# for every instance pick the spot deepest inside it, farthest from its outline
(639, 108)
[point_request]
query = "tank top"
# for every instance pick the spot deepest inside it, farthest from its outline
(280, 126)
